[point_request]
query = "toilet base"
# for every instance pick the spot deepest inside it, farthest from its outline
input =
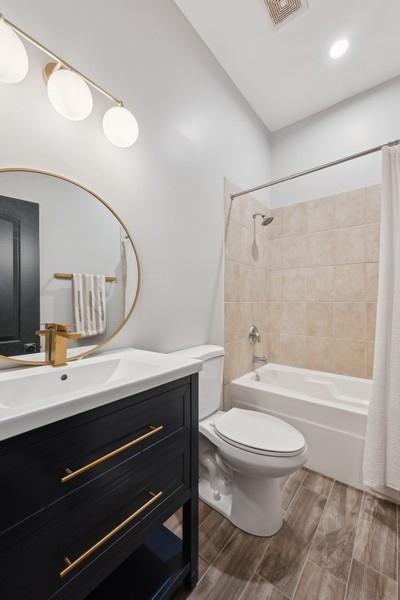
(257, 506)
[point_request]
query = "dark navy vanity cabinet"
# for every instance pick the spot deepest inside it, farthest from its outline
(83, 501)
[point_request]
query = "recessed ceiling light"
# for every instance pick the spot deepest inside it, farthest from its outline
(339, 48)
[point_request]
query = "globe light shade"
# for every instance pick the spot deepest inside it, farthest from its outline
(120, 127)
(70, 95)
(339, 49)
(14, 62)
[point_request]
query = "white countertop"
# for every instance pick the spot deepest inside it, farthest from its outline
(35, 396)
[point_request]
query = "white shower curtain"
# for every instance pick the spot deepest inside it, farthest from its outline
(382, 447)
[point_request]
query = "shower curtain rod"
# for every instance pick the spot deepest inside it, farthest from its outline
(313, 170)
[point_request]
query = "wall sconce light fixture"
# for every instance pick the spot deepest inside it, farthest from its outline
(69, 91)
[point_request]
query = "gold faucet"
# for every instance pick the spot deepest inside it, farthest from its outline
(56, 342)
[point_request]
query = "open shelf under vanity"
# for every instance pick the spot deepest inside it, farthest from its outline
(151, 571)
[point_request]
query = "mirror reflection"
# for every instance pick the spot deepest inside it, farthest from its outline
(66, 259)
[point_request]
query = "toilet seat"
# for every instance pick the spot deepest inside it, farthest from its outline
(259, 433)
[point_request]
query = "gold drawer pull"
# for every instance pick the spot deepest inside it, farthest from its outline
(71, 474)
(71, 565)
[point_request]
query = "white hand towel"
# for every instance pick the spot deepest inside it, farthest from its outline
(89, 296)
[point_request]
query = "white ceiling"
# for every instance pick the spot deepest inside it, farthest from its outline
(285, 73)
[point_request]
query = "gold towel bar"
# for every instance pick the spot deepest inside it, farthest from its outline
(69, 474)
(69, 276)
(71, 565)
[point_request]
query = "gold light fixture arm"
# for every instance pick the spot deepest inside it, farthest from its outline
(60, 60)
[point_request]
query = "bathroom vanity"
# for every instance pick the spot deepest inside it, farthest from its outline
(89, 474)
(96, 452)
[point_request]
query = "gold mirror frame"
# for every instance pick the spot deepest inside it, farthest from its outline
(30, 363)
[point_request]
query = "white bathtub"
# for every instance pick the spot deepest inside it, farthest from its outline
(330, 410)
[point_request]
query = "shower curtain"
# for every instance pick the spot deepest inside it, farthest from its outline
(382, 447)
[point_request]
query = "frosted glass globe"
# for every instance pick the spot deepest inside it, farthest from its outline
(120, 127)
(339, 49)
(14, 62)
(70, 95)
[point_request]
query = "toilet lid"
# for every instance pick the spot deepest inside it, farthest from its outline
(259, 433)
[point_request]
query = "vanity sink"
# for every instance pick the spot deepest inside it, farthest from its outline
(35, 396)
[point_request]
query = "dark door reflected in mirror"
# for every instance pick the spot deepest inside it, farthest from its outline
(19, 277)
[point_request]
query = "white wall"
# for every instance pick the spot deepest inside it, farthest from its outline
(364, 121)
(195, 129)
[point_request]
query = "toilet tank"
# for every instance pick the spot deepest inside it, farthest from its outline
(210, 378)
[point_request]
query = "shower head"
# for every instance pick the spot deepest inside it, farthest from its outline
(265, 220)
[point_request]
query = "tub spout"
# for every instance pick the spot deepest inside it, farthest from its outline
(255, 360)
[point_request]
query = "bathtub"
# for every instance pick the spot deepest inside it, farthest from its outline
(330, 410)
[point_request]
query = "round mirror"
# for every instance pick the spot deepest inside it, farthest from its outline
(67, 264)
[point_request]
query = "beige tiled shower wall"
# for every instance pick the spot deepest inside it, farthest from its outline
(246, 281)
(308, 281)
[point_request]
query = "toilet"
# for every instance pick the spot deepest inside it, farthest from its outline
(244, 454)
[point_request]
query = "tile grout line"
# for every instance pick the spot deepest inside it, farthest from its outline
(258, 563)
(200, 525)
(375, 571)
(268, 545)
(358, 522)
(300, 267)
(224, 545)
(273, 587)
(296, 492)
(312, 540)
(358, 517)
(255, 570)
(326, 571)
(290, 503)
(354, 545)
(204, 574)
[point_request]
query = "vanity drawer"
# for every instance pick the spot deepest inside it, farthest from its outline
(61, 458)
(71, 542)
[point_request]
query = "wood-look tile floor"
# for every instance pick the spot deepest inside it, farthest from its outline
(336, 543)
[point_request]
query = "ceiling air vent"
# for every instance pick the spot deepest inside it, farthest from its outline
(280, 10)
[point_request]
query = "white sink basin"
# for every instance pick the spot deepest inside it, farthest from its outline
(35, 396)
